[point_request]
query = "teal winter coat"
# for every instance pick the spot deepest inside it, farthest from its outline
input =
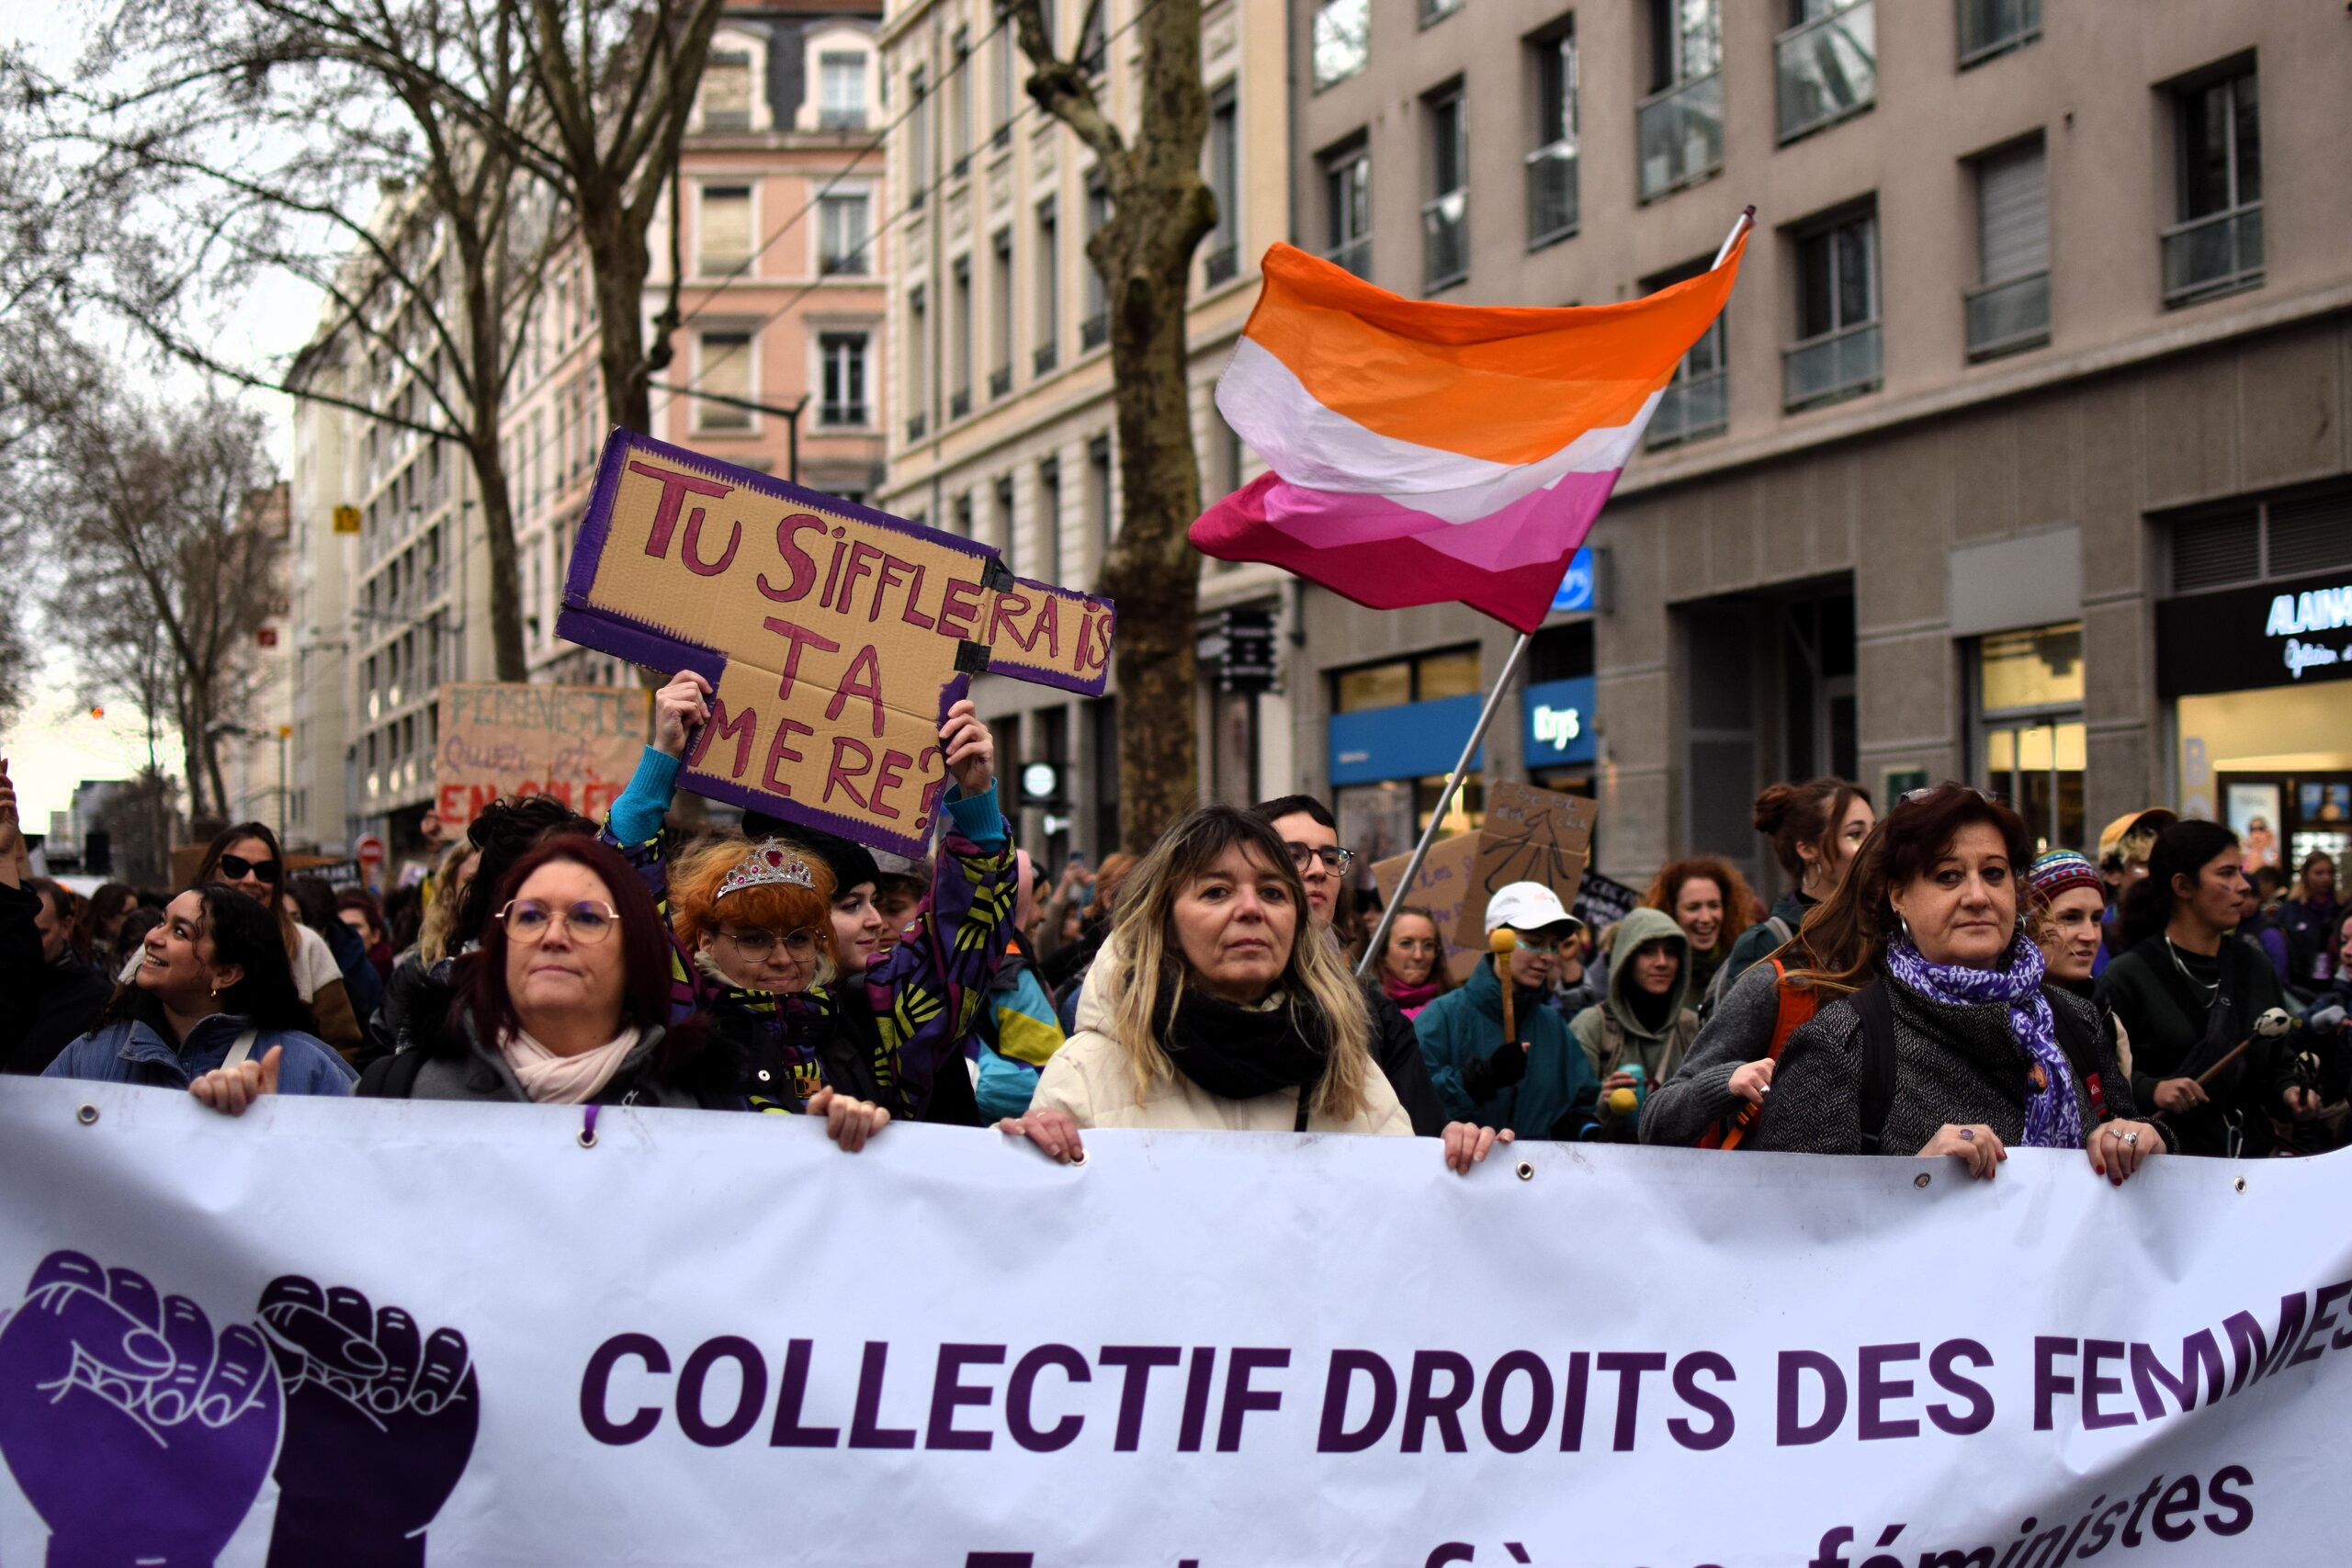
(1466, 1023)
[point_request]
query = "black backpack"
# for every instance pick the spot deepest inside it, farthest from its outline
(1877, 1009)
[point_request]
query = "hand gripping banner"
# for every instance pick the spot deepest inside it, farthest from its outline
(359, 1333)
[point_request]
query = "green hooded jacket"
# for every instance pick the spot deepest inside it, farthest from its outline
(1612, 1035)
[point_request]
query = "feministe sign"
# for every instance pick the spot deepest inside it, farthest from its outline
(835, 637)
(577, 743)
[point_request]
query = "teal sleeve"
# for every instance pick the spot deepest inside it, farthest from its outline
(976, 816)
(1442, 1051)
(638, 815)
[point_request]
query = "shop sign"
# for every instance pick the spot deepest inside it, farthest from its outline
(1575, 592)
(1409, 740)
(1559, 723)
(2274, 634)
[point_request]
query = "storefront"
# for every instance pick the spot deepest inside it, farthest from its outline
(1560, 742)
(1388, 765)
(2260, 680)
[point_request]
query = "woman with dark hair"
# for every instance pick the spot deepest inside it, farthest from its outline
(1952, 1041)
(1412, 967)
(2188, 992)
(1815, 829)
(101, 920)
(211, 1008)
(1710, 901)
(245, 857)
(1214, 1005)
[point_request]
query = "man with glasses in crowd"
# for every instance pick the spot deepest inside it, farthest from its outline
(1312, 835)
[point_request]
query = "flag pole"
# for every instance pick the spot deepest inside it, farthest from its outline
(1437, 818)
(1740, 225)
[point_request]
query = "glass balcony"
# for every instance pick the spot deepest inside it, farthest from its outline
(2210, 256)
(959, 403)
(1826, 68)
(1223, 265)
(1690, 408)
(1094, 331)
(2006, 317)
(1445, 240)
(1551, 193)
(1837, 365)
(1680, 133)
(918, 425)
(1355, 256)
(1000, 383)
(1047, 355)
(1988, 28)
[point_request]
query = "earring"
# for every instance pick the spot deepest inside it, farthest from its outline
(1906, 924)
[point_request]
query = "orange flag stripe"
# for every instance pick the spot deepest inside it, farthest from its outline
(1508, 384)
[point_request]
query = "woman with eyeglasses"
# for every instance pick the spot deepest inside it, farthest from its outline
(889, 1032)
(245, 857)
(1412, 965)
(1952, 1041)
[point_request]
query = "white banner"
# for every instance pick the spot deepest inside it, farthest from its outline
(348, 1333)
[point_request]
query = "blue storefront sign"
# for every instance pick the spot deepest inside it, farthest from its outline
(1560, 722)
(1411, 741)
(1575, 588)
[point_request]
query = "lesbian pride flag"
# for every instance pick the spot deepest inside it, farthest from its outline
(1422, 454)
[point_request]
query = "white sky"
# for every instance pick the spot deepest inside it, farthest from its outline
(57, 743)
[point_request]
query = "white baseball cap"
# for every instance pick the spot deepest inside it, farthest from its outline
(1526, 907)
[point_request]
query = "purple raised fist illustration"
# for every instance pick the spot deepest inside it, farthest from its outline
(139, 1434)
(379, 1424)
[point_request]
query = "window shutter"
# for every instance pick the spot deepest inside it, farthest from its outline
(2013, 213)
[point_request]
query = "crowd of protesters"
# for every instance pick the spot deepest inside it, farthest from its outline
(1927, 984)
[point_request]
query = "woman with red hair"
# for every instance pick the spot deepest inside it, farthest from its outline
(1710, 901)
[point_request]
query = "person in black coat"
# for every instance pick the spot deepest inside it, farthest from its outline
(57, 994)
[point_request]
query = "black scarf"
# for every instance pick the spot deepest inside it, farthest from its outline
(1237, 1053)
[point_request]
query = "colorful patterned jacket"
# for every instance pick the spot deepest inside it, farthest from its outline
(922, 998)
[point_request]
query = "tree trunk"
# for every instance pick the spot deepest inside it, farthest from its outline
(619, 262)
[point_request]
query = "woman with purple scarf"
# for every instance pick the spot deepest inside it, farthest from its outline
(1952, 1041)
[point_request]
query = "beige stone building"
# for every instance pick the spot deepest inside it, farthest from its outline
(1002, 420)
(2023, 453)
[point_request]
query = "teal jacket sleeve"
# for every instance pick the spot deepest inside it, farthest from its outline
(639, 812)
(633, 826)
(1446, 1047)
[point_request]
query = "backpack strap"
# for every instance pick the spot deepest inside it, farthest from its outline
(243, 1048)
(1793, 1009)
(1877, 1087)
(393, 1077)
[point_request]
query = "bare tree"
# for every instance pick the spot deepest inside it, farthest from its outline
(1161, 210)
(353, 146)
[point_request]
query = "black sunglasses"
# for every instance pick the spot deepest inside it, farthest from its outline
(236, 868)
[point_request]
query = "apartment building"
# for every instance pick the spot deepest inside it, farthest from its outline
(2023, 453)
(1001, 423)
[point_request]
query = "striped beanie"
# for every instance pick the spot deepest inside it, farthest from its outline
(2060, 869)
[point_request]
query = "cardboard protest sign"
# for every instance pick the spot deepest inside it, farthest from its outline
(1439, 887)
(1530, 835)
(836, 637)
(577, 743)
(1602, 901)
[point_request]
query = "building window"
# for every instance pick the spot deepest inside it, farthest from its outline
(1445, 216)
(1048, 324)
(959, 395)
(1007, 93)
(1001, 525)
(841, 235)
(844, 358)
(1049, 520)
(1223, 260)
(1094, 330)
(1343, 40)
(1094, 43)
(2216, 247)
(1837, 352)
(841, 90)
(2029, 722)
(2009, 309)
(1988, 28)
(1679, 129)
(724, 235)
(1000, 307)
(1423, 678)
(959, 103)
(1552, 165)
(1347, 209)
(918, 363)
(1101, 511)
(961, 518)
(723, 369)
(1826, 65)
(918, 140)
(1696, 404)
(1434, 11)
(727, 91)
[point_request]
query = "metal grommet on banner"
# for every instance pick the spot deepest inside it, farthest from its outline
(588, 1128)
(1079, 1158)
(1921, 1179)
(88, 1116)
(1526, 1171)
(2241, 1183)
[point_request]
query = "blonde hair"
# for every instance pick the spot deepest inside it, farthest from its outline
(1150, 962)
(441, 913)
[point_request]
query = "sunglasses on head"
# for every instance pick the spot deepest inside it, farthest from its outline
(236, 868)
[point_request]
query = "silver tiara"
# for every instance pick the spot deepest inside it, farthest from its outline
(768, 864)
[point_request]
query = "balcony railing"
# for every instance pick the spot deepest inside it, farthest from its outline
(841, 414)
(1680, 133)
(2006, 317)
(1355, 256)
(1223, 265)
(959, 403)
(846, 264)
(2219, 254)
(1837, 365)
(1689, 409)
(1000, 382)
(1826, 68)
(918, 426)
(1988, 28)
(1048, 355)
(1094, 331)
(1551, 193)
(1445, 240)
(840, 119)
